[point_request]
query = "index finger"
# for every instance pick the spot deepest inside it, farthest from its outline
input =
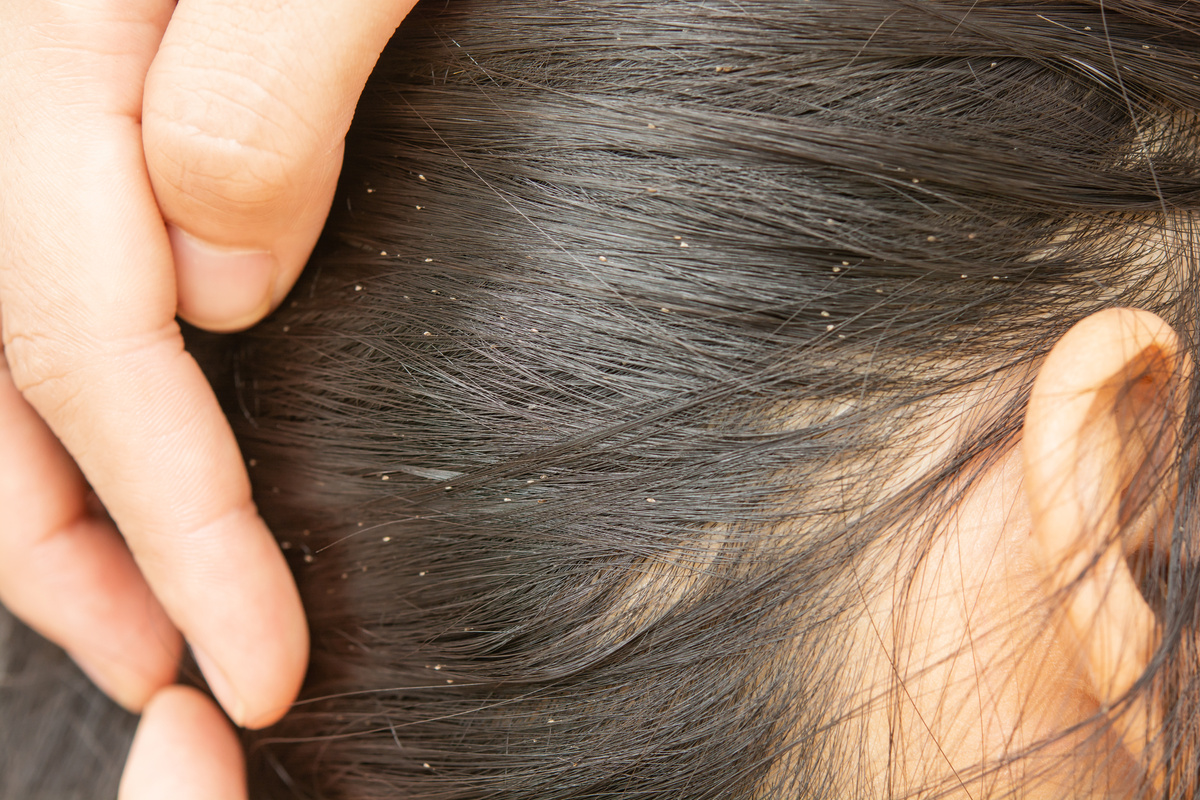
(88, 297)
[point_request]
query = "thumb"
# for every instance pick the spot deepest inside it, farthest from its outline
(184, 749)
(245, 111)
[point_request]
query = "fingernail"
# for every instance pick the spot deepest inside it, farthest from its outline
(221, 688)
(221, 288)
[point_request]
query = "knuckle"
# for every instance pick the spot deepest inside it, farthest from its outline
(52, 369)
(42, 368)
(228, 145)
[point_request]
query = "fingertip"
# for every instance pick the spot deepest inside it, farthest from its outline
(247, 708)
(228, 288)
(253, 646)
(263, 685)
(184, 749)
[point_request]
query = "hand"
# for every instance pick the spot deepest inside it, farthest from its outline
(156, 159)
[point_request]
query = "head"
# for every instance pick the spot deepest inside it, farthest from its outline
(792, 400)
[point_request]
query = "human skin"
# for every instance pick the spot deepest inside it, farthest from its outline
(101, 219)
(1017, 637)
(159, 160)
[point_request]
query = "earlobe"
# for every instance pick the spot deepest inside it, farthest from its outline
(1099, 437)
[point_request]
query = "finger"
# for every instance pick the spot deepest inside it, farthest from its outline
(184, 749)
(246, 108)
(68, 574)
(133, 408)
(87, 295)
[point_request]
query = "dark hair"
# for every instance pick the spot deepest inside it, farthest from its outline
(582, 429)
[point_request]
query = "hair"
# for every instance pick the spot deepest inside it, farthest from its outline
(590, 430)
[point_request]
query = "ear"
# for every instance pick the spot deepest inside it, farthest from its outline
(1100, 434)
